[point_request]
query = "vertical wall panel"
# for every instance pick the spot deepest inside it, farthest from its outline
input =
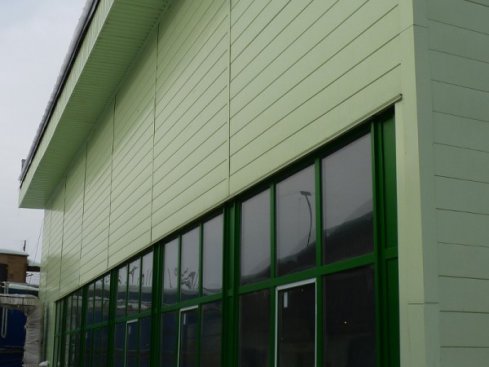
(130, 214)
(459, 58)
(190, 162)
(72, 230)
(95, 235)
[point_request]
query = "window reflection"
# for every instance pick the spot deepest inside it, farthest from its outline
(254, 329)
(188, 338)
(122, 291)
(170, 274)
(210, 348)
(212, 256)
(296, 225)
(189, 272)
(134, 273)
(146, 281)
(169, 339)
(296, 329)
(255, 238)
(349, 320)
(347, 201)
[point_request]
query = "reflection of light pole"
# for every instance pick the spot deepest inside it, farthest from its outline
(306, 195)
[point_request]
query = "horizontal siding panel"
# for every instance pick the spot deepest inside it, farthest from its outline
(134, 240)
(463, 261)
(189, 209)
(285, 118)
(172, 143)
(476, 228)
(206, 93)
(467, 357)
(182, 196)
(461, 132)
(190, 149)
(310, 35)
(462, 294)
(460, 101)
(341, 118)
(187, 56)
(186, 176)
(463, 14)
(459, 329)
(196, 79)
(281, 33)
(461, 195)
(246, 24)
(300, 90)
(461, 163)
(459, 70)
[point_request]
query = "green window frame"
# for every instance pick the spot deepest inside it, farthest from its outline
(70, 336)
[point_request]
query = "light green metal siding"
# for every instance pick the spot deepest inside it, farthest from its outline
(459, 56)
(303, 72)
(72, 224)
(132, 156)
(96, 212)
(191, 117)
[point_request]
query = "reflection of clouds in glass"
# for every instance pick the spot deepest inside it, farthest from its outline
(212, 257)
(347, 183)
(255, 237)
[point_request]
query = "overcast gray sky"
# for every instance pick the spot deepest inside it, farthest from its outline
(34, 39)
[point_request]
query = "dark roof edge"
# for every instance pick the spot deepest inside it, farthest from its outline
(75, 45)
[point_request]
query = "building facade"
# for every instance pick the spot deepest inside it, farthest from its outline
(268, 183)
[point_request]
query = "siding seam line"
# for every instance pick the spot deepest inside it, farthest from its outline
(83, 211)
(228, 156)
(154, 133)
(111, 174)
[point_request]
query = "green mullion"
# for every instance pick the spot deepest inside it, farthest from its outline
(319, 322)
(156, 304)
(352, 263)
(199, 333)
(319, 221)
(192, 302)
(140, 281)
(83, 324)
(273, 230)
(273, 325)
(201, 259)
(378, 240)
(114, 289)
(179, 267)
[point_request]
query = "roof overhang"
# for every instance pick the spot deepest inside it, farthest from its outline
(115, 35)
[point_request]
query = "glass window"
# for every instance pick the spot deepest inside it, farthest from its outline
(170, 276)
(119, 344)
(296, 326)
(132, 343)
(210, 348)
(169, 339)
(296, 222)
(254, 329)
(106, 298)
(90, 303)
(347, 201)
(134, 274)
(255, 238)
(97, 312)
(122, 291)
(189, 272)
(144, 342)
(212, 257)
(349, 319)
(87, 361)
(188, 338)
(147, 281)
